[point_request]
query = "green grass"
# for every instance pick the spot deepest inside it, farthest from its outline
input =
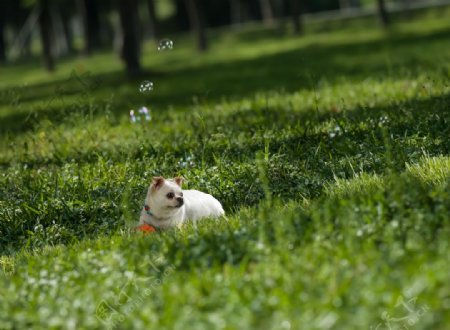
(329, 152)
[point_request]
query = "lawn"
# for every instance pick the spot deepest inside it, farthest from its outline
(329, 153)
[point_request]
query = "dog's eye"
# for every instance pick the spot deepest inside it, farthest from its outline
(181, 194)
(170, 195)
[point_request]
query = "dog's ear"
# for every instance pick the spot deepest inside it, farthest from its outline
(178, 181)
(157, 182)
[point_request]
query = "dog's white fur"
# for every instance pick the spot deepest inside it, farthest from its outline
(185, 205)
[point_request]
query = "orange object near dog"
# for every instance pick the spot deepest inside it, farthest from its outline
(146, 228)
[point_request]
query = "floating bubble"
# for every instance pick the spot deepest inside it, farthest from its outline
(132, 116)
(383, 120)
(146, 86)
(186, 162)
(335, 132)
(143, 114)
(165, 44)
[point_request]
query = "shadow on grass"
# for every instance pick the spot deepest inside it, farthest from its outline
(296, 168)
(292, 133)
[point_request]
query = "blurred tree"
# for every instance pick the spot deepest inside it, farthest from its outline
(245, 10)
(320, 5)
(106, 27)
(153, 20)
(181, 15)
(266, 12)
(15, 15)
(89, 10)
(130, 44)
(66, 17)
(45, 26)
(2, 34)
(22, 14)
(216, 13)
(382, 13)
(197, 22)
(236, 12)
(344, 4)
(295, 15)
(349, 4)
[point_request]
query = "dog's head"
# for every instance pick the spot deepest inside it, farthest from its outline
(166, 195)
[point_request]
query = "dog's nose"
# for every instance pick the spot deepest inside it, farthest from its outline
(180, 200)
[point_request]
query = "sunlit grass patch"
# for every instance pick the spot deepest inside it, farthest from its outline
(435, 170)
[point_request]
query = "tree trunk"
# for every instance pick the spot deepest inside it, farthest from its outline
(235, 12)
(239, 11)
(197, 23)
(68, 34)
(266, 12)
(2, 38)
(382, 13)
(181, 15)
(130, 43)
(344, 5)
(91, 24)
(153, 21)
(45, 26)
(295, 15)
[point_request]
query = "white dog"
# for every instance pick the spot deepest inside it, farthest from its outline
(166, 205)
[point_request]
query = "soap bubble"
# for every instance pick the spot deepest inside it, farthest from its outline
(132, 116)
(336, 131)
(165, 44)
(146, 86)
(186, 162)
(143, 114)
